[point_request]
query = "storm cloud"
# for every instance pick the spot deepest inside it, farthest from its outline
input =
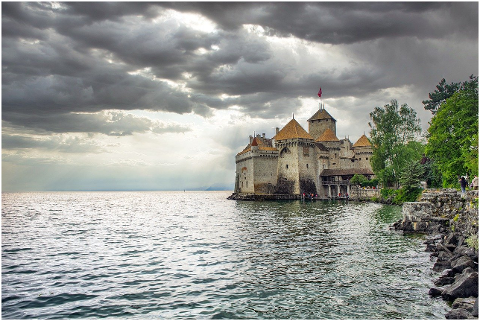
(85, 68)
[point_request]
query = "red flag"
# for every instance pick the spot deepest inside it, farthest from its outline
(320, 92)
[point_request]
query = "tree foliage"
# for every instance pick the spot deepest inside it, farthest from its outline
(393, 134)
(358, 179)
(453, 135)
(445, 91)
(411, 176)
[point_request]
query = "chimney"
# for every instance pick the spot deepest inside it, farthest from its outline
(251, 138)
(277, 130)
(263, 135)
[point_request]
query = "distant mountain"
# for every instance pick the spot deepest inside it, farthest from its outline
(219, 187)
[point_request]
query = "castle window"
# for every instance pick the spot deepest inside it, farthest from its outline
(359, 159)
(287, 166)
(366, 158)
(307, 165)
(246, 183)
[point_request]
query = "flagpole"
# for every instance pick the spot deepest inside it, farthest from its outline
(320, 97)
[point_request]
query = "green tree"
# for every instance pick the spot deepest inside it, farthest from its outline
(358, 179)
(445, 91)
(453, 136)
(411, 176)
(393, 135)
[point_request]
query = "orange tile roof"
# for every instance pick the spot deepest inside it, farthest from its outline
(321, 114)
(328, 136)
(261, 146)
(362, 142)
(292, 130)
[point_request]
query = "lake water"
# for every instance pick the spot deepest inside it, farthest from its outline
(197, 255)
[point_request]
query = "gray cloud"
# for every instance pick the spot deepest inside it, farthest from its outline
(67, 58)
(108, 123)
(55, 143)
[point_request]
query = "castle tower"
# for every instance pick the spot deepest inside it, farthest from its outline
(296, 160)
(321, 121)
(363, 152)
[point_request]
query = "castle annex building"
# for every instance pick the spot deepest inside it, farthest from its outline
(295, 161)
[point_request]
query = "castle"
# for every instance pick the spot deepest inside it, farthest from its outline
(295, 161)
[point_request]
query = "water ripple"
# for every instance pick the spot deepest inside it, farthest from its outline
(199, 256)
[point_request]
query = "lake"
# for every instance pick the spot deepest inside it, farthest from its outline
(197, 255)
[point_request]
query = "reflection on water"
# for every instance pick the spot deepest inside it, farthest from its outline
(198, 255)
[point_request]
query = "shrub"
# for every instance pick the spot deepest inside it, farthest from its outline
(472, 241)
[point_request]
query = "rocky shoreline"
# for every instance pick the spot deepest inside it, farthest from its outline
(451, 220)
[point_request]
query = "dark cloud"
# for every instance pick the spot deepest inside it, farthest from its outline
(109, 123)
(348, 22)
(63, 59)
(52, 143)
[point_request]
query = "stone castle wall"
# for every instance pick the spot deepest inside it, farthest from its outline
(244, 170)
(317, 127)
(265, 172)
(287, 168)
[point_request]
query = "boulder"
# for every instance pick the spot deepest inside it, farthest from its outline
(465, 285)
(458, 314)
(464, 303)
(466, 251)
(448, 272)
(444, 280)
(475, 308)
(462, 263)
(435, 292)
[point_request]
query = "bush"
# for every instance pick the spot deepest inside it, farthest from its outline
(400, 196)
(370, 183)
(472, 241)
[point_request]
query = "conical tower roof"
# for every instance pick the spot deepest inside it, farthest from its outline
(362, 142)
(292, 130)
(328, 136)
(321, 114)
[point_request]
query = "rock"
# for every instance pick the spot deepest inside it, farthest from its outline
(465, 285)
(464, 303)
(462, 263)
(452, 238)
(447, 253)
(439, 266)
(444, 280)
(475, 308)
(435, 291)
(448, 272)
(466, 251)
(443, 260)
(457, 314)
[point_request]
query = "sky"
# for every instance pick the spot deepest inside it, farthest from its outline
(162, 96)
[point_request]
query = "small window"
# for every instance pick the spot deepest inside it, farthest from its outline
(366, 158)
(359, 159)
(246, 183)
(287, 166)
(307, 165)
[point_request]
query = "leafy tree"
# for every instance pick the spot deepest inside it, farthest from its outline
(358, 179)
(411, 176)
(445, 91)
(431, 175)
(393, 133)
(453, 135)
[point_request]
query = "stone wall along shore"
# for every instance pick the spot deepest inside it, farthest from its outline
(451, 220)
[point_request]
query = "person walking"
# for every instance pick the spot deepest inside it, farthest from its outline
(463, 184)
(475, 183)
